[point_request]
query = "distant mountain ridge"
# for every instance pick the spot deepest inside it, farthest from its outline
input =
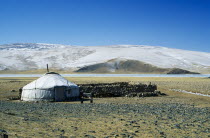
(122, 66)
(131, 58)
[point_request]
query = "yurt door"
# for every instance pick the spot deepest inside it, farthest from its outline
(60, 93)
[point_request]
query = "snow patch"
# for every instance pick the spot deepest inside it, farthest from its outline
(183, 91)
(23, 56)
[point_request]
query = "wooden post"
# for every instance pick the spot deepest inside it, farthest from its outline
(81, 95)
(91, 98)
(47, 68)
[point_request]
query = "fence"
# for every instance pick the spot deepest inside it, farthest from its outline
(120, 89)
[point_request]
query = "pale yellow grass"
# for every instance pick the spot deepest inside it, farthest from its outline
(105, 125)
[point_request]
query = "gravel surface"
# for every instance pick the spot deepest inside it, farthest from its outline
(186, 119)
(79, 110)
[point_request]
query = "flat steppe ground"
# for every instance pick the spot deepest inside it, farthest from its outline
(175, 115)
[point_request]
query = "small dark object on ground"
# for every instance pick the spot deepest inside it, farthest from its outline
(20, 91)
(3, 131)
(14, 98)
(86, 96)
(8, 113)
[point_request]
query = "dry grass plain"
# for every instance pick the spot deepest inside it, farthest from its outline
(175, 115)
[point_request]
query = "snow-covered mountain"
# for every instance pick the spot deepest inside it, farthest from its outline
(27, 56)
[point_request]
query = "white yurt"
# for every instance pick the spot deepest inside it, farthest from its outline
(50, 87)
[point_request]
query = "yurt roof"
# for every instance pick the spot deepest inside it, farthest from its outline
(49, 80)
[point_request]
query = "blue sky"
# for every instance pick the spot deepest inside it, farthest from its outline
(183, 24)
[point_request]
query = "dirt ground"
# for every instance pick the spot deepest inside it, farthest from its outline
(175, 115)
